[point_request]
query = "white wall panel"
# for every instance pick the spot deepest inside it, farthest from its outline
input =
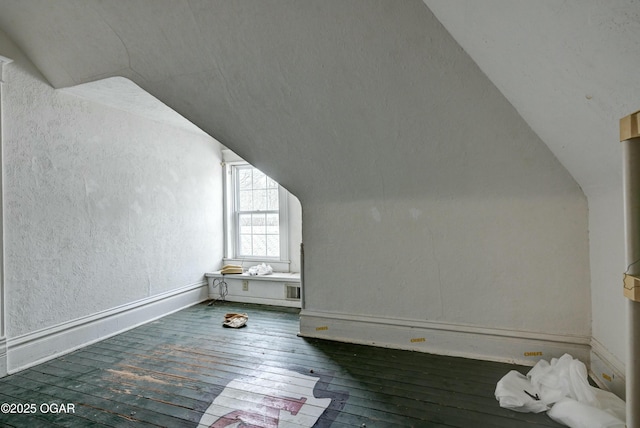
(103, 207)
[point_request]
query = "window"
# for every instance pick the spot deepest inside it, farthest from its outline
(256, 215)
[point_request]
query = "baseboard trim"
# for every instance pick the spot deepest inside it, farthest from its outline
(502, 345)
(606, 369)
(39, 346)
(3, 356)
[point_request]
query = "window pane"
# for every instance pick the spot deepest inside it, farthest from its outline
(271, 184)
(245, 175)
(272, 199)
(259, 245)
(259, 200)
(259, 180)
(245, 245)
(244, 224)
(259, 224)
(273, 224)
(273, 245)
(246, 200)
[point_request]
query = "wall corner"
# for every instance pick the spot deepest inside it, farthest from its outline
(606, 369)
(3, 339)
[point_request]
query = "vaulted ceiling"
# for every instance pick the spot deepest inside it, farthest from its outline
(569, 67)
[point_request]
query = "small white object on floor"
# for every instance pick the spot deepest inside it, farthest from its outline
(234, 320)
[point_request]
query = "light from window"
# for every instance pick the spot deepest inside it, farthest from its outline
(257, 213)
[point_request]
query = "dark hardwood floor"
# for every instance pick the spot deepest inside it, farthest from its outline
(186, 369)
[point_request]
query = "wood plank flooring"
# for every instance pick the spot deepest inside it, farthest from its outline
(186, 368)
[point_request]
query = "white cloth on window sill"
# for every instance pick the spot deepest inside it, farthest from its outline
(562, 386)
(261, 269)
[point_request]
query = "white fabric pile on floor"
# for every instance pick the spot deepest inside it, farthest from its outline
(561, 388)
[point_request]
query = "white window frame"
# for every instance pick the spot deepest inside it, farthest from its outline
(279, 264)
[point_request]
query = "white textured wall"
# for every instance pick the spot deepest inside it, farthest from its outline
(606, 236)
(102, 207)
(489, 254)
(440, 203)
(574, 103)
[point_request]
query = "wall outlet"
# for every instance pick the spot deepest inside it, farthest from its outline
(245, 285)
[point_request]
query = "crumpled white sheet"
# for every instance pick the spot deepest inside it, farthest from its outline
(562, 388)
(261, 269)
(515, 392)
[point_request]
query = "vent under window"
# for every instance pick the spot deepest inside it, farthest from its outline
(292, 292)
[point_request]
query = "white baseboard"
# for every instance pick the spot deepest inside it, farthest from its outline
(37, 347)
(607, 370)
(510, 346)
(3, 356)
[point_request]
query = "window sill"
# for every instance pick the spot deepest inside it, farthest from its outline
(277, 265)
(290, 277)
